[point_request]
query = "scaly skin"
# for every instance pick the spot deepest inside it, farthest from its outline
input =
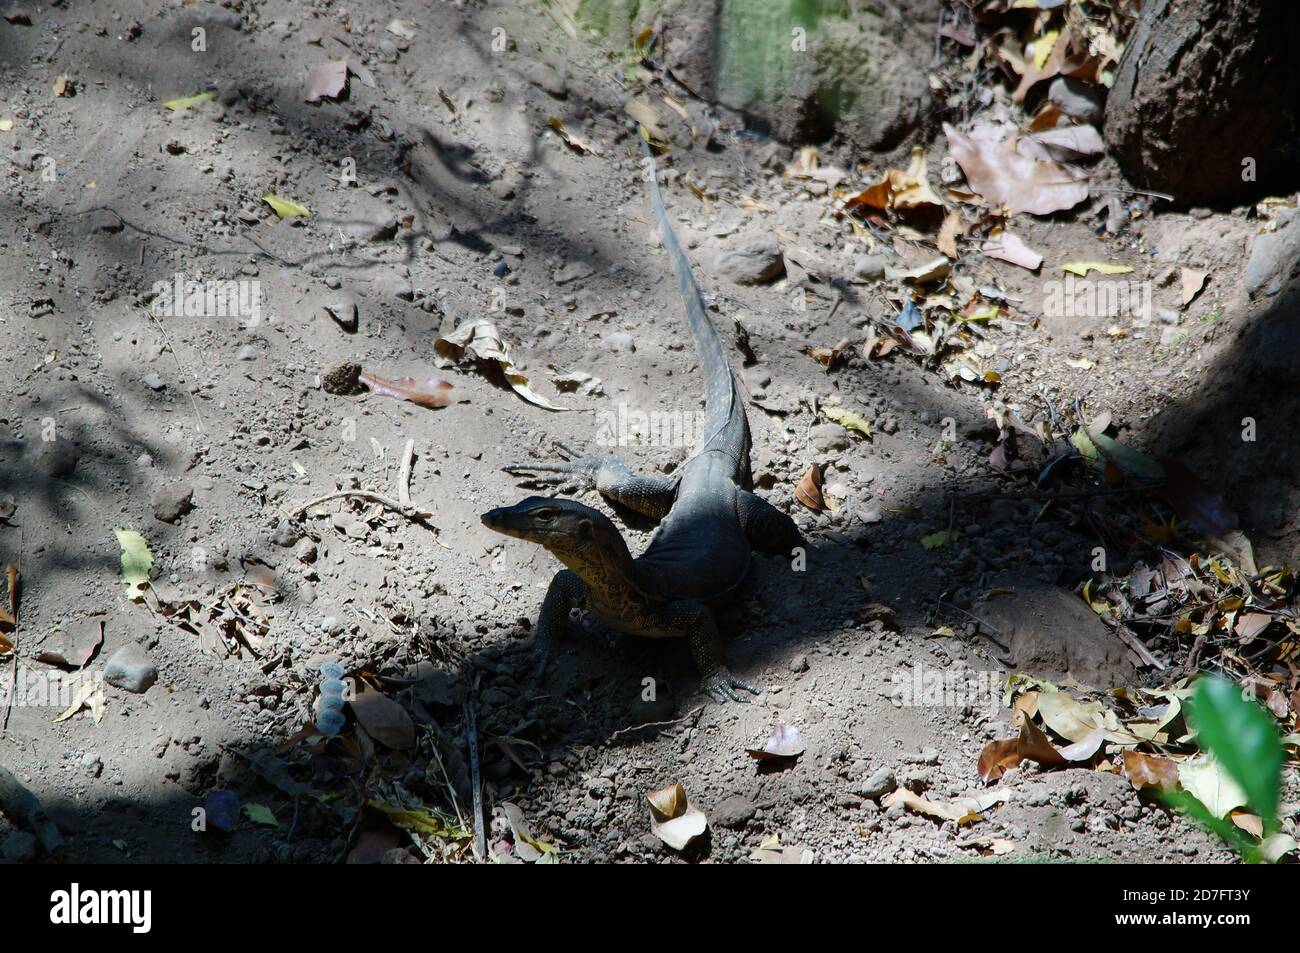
(710, 521)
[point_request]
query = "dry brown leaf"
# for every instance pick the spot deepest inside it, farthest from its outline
(809, 490)
(998, 757)
(1150, 771)
(431, 393)
(326, 80)
(672, 818)
(963, 810)
(78, 648)
(1193, 281)
(479, 339)
(948, 232)
(1007, 246)
(382, 718)
(1002, 176)
(569, 139)
(784, 742)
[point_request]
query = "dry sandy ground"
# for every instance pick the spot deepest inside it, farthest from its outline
(467, 205)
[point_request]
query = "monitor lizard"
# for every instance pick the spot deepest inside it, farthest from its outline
(710, 521)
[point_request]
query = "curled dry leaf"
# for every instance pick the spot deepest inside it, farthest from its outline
(569, 139)
(963, 810)
(1002, 176)
(1150, 771)
(784, 742)
(529, 847)
(672, 819)
(384, 720)
(431, 393)
(1007, 246)
(1069, 144)
(326, 80)
(999, 757)
(809, 490)
(480, 340)
(1192, 281)
(78, 648)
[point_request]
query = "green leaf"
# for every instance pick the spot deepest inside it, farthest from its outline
(286, 208)
(260, 814)
(185, 102)
(941, 538)
(1243, 737)
(417, 820)
(1132, 462)
(136, 562)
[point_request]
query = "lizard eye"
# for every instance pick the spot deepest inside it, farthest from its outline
(544, 516)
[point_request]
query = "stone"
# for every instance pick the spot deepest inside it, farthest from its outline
(619, 341)
(573, 271)
(734, 812)
(173, 501)
(131, 670)
(829, 438)
(868, 267)
(1274, 256)
(1077, 99)
(1054, 633)
(754, 260)
(880, 783)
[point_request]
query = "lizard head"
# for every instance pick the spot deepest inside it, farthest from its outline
(582, 538)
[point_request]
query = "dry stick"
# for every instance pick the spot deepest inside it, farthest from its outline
(404, 475)
(655, 724)
(184, 373)
(476, 782)
(410, 512)
(14, 581)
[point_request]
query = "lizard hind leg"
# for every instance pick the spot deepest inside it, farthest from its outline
(766, 527)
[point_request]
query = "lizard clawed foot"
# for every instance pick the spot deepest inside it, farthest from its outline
(575, 470)
(722, 685)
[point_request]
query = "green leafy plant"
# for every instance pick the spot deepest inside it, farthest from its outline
(1243, 739)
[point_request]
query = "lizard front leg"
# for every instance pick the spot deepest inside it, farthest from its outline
(696, 622)
(566, 594)
(648, 495)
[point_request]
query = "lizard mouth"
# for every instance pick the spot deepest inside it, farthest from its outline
(510, 522)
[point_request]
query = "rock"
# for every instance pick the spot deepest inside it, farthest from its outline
(173, 501)
(734, 812)
(881, 782)
(285, 534)
(153, 381)
(799, 664)
(619, 341)
(1274, 256)
(1076, 99)
(247, 353)
(305, 551)
(868, 267)
(752, 261)
(131, 670)
(1055, 634)
(504, 189)
(19, 848)
(829, 438)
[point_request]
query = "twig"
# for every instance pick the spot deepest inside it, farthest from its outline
(184, 373)
(1154, 195)
(655, 724)
(414, 513)
(476, 782)
(13, 577)
(404, 475)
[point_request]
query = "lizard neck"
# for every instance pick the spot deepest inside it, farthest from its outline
(604, 564)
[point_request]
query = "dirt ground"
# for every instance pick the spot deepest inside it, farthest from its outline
(467, 204)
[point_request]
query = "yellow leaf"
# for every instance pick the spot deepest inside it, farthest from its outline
(1043, 48)
(941, 538)
(136, 561)
(185, 102)
(286, 208)
(1081, 268)
(6, 125)
(849, 420)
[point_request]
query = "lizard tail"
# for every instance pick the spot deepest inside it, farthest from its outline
(726, 428)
